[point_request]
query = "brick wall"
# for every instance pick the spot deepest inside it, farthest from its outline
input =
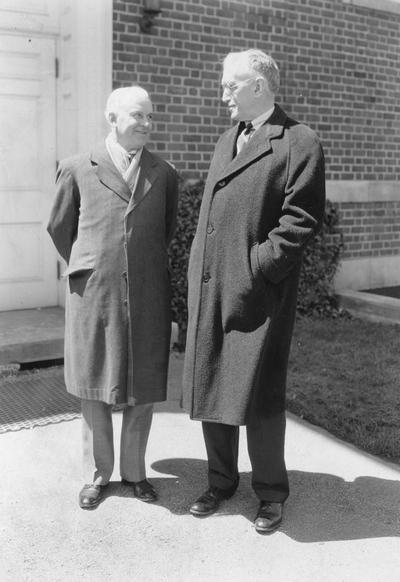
(370, 229)
(340, 68)
(340, 73)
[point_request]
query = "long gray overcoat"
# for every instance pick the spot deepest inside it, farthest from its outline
(118, 315)
(259, 210)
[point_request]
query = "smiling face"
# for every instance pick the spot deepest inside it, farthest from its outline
(131, 117)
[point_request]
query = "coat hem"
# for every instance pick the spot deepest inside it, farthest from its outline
(104, 396)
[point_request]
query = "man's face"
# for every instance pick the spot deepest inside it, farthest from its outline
(132, 121)
(238, 90)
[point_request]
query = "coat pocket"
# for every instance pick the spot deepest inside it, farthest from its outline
(78, 274)
(79, 267)
(256, 273)
(249, 301)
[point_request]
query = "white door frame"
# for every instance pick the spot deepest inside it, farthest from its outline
(83, 33)
(84, 81)
(85, 76)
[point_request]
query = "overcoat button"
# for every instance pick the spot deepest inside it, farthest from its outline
(210, 229)
(125, 274)
(222, 183)
(206, 278)
(125, 302)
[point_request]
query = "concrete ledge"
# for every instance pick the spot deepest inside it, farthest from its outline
(362, 191)
(368, 273)
(25, 352)
(31, 335)
(382, 5)
(370, 306)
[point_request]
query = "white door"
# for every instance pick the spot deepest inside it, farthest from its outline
(28, 262)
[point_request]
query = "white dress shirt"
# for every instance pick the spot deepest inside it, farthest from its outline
(243, 137)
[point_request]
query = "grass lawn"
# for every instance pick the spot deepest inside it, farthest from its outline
(344, 375)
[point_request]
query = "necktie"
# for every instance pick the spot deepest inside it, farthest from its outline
(248, 129)
(131, 155)
(131, 173)
(244, 136)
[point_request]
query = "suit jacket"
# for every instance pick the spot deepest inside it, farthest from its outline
(118, 316)
(259, 211)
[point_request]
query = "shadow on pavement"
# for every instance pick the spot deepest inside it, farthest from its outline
(321, 507)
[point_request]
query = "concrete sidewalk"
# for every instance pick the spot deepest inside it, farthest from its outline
(341, 522)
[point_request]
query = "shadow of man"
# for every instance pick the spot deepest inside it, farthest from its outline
(324, 507)
(320, 508)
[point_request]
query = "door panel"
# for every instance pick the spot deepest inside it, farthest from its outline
(28, 261)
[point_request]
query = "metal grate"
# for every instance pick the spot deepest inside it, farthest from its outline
(36, 399)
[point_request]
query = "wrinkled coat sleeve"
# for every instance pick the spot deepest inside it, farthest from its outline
(302, 209)
(63, 221)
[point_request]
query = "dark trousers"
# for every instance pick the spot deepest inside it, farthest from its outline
(265, 443)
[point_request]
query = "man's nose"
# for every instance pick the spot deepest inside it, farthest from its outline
(225, 95)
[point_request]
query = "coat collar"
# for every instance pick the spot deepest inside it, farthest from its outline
(148, 175)
(259, 144)
(109, 176)
(107, 173)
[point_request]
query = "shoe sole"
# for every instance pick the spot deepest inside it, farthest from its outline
(267, 530)
(92, 505)
(202, 513)
(146, 500)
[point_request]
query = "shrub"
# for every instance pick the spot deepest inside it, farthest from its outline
(190, 195)
(320, 263)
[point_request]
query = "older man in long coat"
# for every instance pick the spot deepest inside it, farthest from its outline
(113, 217)
(263, 202)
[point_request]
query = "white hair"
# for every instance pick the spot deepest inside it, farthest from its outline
(260, 63)
(119, 96)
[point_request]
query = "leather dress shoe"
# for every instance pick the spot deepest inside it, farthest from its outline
(208, 502)
(91, 495)
(269, 516)
(143, 490)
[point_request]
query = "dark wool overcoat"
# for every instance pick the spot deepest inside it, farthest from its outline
(259, 210)
(118, 315)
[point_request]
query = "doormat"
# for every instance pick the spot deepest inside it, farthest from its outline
(35, 399)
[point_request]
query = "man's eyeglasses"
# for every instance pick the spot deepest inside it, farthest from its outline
(232, 87)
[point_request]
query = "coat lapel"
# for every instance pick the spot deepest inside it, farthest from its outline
(108, 174)
(147, 177)
(259, 145)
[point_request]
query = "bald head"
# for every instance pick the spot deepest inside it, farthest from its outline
(129, 112)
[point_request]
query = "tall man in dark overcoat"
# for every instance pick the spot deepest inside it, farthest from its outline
(113, 217)
(263, 202)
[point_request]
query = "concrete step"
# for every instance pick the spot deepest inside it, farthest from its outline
(34, 335)
(31, 335)
(370, 306)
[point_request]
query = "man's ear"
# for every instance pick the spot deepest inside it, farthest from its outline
(112, 117)
(259, 86)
